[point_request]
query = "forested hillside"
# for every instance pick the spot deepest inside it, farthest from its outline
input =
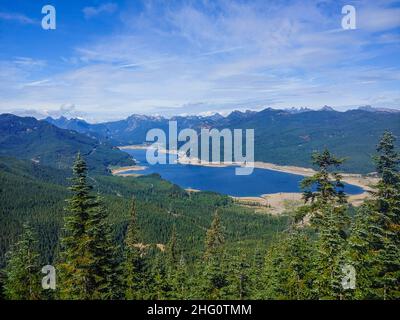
(41, 142)
(35, 193)
(144, 238)
(285, 138)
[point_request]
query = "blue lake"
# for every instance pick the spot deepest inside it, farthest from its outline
(224, 180)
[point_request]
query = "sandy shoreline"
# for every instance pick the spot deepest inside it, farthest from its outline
(350, 178)
(276, 202)
(123, 170)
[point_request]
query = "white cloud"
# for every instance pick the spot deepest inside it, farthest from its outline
(29, 62)
(107, 8)
(17, 17)
(220, 55)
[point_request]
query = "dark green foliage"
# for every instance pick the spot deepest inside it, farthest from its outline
(328, 216)
(26, 197)
(172, 250)
(288, 271)
(375, 241)
(133, 265)
(213, 277)
(41, 142)
(152, 247)
(22, 273)
(313, 269)
(88, 266)
(214, 238)
(239, 276)
(359, 252)
(284, 138)
(297, 268)
(327, 183)
(106, 261)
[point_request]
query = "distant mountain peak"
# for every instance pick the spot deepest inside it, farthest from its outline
(145, 117)
(237, 114)
(294, 110)
(326, 108)
(216, 116)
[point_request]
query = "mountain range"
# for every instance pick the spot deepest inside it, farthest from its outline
(285, 137)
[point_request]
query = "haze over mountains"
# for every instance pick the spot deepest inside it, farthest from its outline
(286, 137)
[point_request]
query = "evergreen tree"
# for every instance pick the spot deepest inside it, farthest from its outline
(331, 246)
(274, 274)
(133, 261)
(181, 281)
(160, 287)
(172, 250)
(327, 208)
(76, 282)
(23, 271)
(288, 268)
(239, 276)
(360, 252)
(105, 262)
(176, 268)
(325, 186)
(214, 238)
(388, 218)
(213, 275)
(375, 242)
(87, 266)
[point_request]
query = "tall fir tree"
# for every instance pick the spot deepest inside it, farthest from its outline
(239, 276)
(161, 287)
(23, 272)
(213, 276)
(172, 250)
(360, 252)
(176, 268)
(133, 266)
(87, 267)
(325, 186)
(76, 282)
(105, 265)
(326, 205)
(214, 237)
(388, 217)
(375, 241)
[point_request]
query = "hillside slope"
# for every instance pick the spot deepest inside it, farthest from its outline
(36, 193)
(41, 142)
(290, 139)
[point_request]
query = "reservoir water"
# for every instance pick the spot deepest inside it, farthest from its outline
(224, 180)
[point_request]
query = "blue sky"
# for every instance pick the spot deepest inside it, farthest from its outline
(109, 59)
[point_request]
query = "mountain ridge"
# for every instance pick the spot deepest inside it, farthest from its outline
(47, 144)
(284, 137)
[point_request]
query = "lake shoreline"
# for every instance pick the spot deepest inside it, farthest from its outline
(356, 179)
(273, 203)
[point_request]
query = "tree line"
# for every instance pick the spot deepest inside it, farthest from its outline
(306, 261)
